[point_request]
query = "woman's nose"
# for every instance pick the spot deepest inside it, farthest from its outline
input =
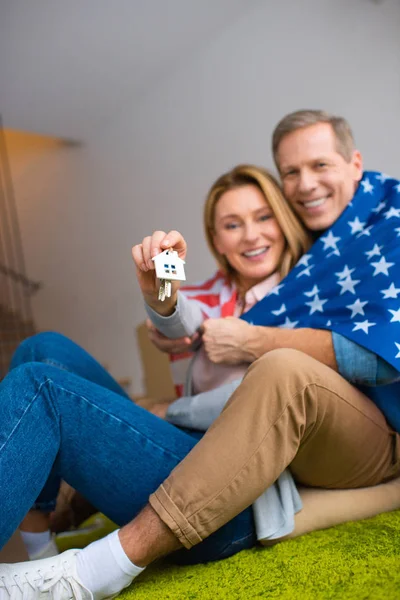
(251, 231)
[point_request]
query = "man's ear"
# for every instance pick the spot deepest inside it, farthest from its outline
(357, 165)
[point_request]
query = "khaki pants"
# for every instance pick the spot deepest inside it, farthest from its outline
(289, 411)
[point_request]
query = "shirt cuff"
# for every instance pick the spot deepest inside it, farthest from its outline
(355, 363)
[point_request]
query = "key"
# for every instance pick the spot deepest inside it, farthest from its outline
(161, 291)
(165, 289)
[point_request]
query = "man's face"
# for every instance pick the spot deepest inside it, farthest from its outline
(317, 180)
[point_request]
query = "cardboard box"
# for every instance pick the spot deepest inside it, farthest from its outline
(157, 378)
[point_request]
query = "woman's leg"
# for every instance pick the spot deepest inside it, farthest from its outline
(55, 424)
(59, 351)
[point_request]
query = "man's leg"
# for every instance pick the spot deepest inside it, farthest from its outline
(292, 411)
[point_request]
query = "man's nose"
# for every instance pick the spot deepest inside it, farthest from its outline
(307, 182)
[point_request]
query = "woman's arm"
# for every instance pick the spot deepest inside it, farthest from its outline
(185, 320)
(198, 412)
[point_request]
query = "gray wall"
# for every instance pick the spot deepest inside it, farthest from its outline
(151, 162)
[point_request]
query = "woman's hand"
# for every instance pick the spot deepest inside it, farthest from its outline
(145, 270)
(228, 340)
(177, 346)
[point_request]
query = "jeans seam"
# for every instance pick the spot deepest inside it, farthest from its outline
(29, 406)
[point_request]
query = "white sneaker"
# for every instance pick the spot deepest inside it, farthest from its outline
(53, 578)
(48, 551)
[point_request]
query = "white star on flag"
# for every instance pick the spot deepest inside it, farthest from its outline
(335, 252)
(391, 292)
(348, 285)
(316, 305)
(330, 241)
(363, 325)
(304, 260)
(381, 267)
(312, 292)
(345, 273)
(288, 324)
(281, 310)
(275, 291)
(382, 177)
(356, 225)
(397, 230)
(396, 315)
(397, 188)
(380, 207)
(328, 323)
(357, 308)
(392, 212)
(376, 251)
(368, 187)
(306, 271)
(398, 348)
(366, 231)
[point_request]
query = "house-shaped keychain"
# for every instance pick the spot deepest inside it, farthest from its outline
(169, 266)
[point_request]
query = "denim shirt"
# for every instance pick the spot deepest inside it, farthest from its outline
(361, 366)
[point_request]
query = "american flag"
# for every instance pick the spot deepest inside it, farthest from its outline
(349, 282)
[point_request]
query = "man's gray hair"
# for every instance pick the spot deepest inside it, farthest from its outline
(305, 118)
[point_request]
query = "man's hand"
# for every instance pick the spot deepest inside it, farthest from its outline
(145, 270)
(178, 346)
(228, 340)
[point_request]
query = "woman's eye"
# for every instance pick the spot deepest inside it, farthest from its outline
(265, 217)
(231, 225)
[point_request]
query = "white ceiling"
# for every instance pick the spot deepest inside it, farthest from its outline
(66, 66)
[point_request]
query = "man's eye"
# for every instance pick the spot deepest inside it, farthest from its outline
(289, 173)
(321, 165)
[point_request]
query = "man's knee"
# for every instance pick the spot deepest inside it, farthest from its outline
(285, 362)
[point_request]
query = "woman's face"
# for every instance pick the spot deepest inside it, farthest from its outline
(247, 234)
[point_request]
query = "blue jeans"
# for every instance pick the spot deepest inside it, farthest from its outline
(63, 416)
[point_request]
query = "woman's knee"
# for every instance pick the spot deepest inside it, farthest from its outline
(36, 348)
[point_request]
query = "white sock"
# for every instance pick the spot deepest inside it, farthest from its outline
(104, 568)
(35, 542)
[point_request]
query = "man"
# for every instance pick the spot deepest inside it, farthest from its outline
(290, 409)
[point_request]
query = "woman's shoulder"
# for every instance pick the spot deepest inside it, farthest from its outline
(212, 284)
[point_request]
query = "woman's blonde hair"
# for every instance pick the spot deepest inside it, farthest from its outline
(297, 239)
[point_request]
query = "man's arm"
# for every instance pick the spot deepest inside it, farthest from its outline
(314, 342)
(232, 341)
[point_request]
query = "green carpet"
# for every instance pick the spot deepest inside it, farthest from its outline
(355, 561)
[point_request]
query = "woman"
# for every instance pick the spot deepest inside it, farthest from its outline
(57, 423)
